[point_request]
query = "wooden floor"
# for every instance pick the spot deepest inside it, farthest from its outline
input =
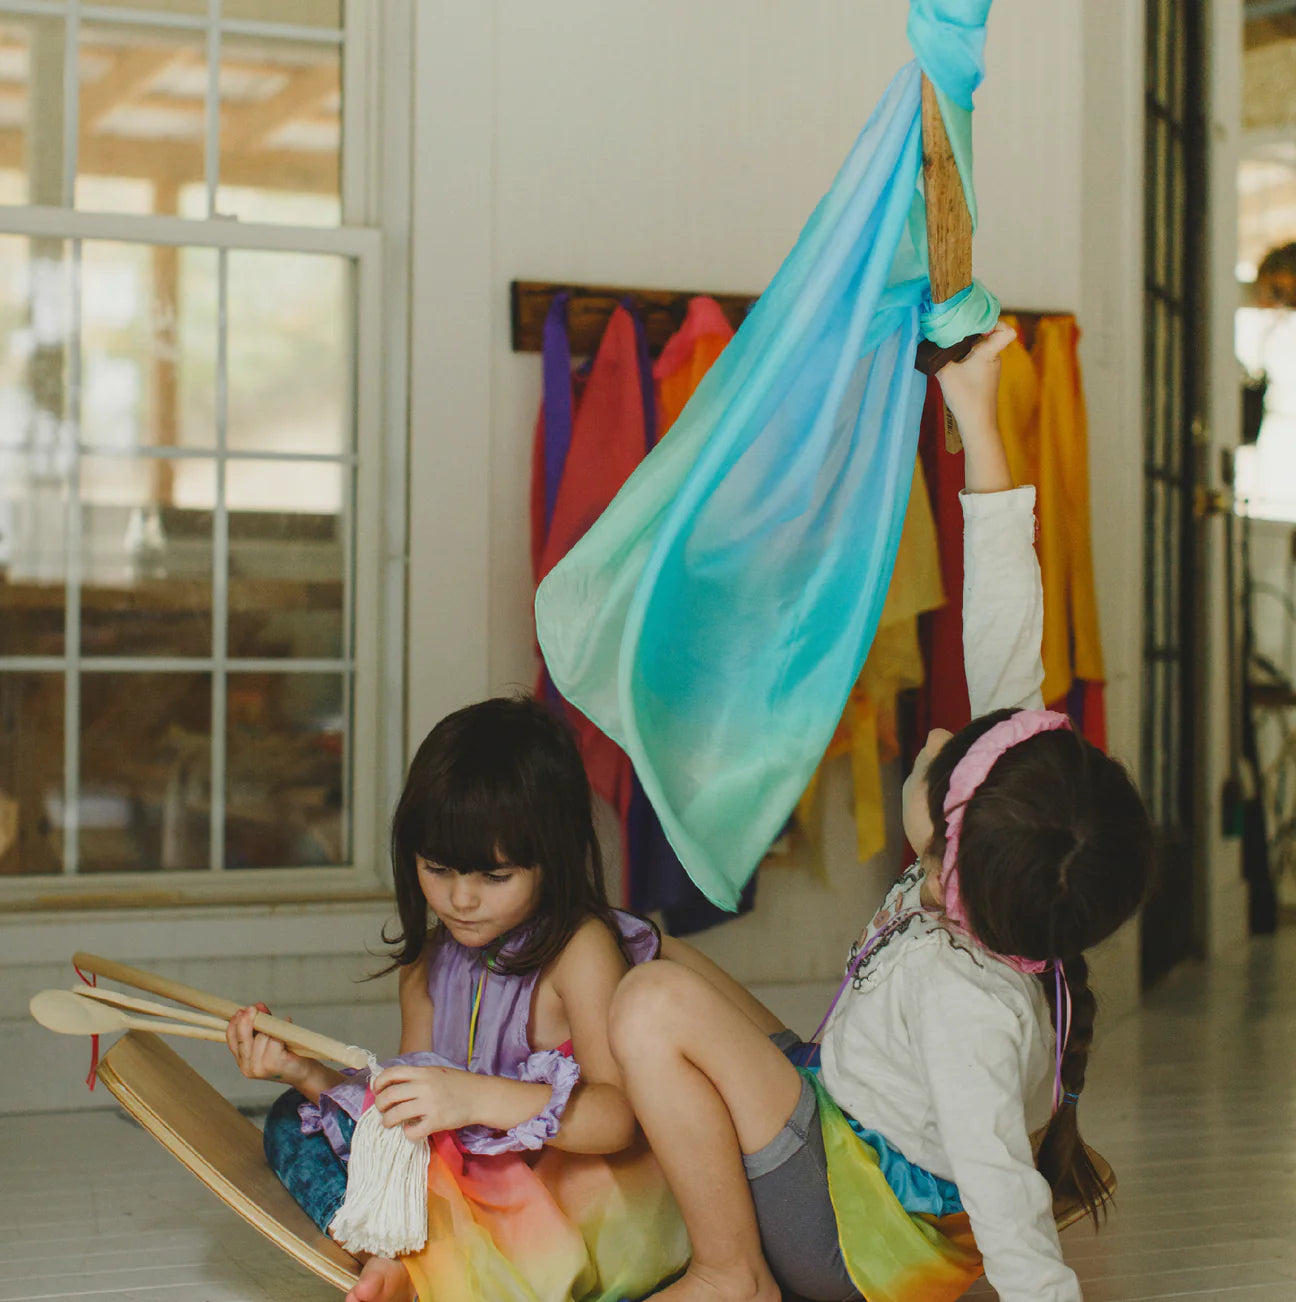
(1193, 1100)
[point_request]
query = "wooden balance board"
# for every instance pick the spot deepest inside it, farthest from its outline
(219, 1145)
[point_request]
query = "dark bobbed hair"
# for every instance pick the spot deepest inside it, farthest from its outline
(1055, 854)
(501, 778)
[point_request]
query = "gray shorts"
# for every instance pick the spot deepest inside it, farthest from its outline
(789, 1185)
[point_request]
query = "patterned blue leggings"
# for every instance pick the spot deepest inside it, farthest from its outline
(306, 1164)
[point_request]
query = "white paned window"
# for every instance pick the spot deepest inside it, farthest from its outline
(192, 549)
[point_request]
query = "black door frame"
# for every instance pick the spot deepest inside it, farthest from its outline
(1174, 394)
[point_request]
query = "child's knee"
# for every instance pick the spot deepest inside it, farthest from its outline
(647, 1004)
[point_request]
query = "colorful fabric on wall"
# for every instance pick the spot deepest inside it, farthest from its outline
(1072, 648)
(593, 430)
(943, 700)
(688, 355)
(1045, 427)
(715, 619)
(867, 731)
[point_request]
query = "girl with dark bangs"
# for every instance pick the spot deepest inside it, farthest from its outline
(493, 787)
(540, 1184)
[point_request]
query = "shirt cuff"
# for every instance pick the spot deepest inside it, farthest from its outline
(1009, 501)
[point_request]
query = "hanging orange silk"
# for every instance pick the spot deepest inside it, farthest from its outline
(1072, 648)
(688, 356)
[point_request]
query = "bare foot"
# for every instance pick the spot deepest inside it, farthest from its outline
(382, 1280)
(708, 1284)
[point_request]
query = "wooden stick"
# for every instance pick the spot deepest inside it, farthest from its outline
(183, 1029)
(119, 1000)
(156, 985)
(949, 224)
(949, 235)
(295, 1037)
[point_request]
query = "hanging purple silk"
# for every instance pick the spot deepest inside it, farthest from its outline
(557, 401)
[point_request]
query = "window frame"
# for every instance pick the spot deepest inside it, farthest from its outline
(374, 186)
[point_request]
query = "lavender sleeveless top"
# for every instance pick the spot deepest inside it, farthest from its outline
(501, 1045)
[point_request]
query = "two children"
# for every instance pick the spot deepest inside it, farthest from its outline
(963, 1026)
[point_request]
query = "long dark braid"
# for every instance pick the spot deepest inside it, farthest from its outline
(1063, 1159)
(1055, 855)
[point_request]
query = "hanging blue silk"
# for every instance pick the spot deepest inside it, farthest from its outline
(715, 617)
(948, 38)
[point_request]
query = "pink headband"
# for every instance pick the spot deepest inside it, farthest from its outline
(968, 775)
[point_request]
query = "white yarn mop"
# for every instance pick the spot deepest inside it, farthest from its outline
(385, 1209)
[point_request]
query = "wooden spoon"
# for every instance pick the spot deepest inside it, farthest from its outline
(67, 1013)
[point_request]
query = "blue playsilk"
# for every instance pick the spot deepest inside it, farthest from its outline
(714, 618)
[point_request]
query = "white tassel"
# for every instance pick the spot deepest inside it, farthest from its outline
(385, 1209)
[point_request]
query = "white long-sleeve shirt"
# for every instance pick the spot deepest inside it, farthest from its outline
(937, 1045)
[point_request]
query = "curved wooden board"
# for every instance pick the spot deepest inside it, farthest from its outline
(220, 1146)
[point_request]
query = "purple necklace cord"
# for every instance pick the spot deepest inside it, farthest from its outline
(855, 964)
(1062, 1031)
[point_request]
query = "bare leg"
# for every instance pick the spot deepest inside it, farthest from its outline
(707, 1086)
(382, 1280)
(685, 955)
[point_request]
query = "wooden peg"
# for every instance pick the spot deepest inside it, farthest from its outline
(949, 239)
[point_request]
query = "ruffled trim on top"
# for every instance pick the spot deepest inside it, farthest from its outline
(550, 1067)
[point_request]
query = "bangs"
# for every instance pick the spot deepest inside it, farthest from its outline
(474, 815)
(501, 780)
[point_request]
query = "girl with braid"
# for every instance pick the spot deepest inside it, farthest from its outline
(895, 1160)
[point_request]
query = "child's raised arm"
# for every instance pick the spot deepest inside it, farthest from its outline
(1003, 602)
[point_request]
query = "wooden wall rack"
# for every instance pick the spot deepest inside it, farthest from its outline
(663, 310)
